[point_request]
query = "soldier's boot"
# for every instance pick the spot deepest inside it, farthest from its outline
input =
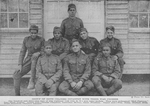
(116, 85)
(70, 93)
(82, 91)
(101, 91)
(17, 81)
(31, 84)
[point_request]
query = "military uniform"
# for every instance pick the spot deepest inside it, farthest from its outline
(76, 68)
(116, 49)
(109, 67)
(31, 46)
(60, 47)
(90, 47)
(48, 68)
(71, 28)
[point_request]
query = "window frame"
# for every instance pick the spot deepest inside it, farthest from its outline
(138, 29)
(19, 29)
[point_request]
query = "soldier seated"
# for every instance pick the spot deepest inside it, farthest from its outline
(89, 44)
(106, 73)
(76, 71)
(49, 71)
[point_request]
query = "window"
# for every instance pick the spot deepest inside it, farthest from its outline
(139, 14)
(14, 13)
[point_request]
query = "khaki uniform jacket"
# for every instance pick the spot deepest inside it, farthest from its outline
(116, 47)
(108, 67)
(49, 67)
(31, 46)
(77, 67)
(60, 47)
(90, 45)
(71, 28)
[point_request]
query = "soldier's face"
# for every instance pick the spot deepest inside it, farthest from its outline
(110, 34)
(33, 33)
(106, 51)
(48, 50)
(72, 12)
(57, 34)
(84, 35)
(76, 47)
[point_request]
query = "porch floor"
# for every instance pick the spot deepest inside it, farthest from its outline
(133, 85)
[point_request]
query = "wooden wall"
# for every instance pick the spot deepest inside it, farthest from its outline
(136, 44)
(11, 40)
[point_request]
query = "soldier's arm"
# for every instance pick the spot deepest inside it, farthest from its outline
(22, 52)
(58, 73)
(42, 46)
(63, 28)
(87, 71)
(95, 68)
(66, 50)
(117, 72)
(100, 49)
(66, 71)
(41, 77)
(82, 25)
(119, 49)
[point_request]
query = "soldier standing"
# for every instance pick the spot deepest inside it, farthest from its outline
(71, 25)
(59, 44)
(49, 71)
(89, 45)
(33, 46)
(106, 71)
(116, 47)
(76, 71)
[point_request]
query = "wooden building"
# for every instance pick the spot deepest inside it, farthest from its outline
(131, 19)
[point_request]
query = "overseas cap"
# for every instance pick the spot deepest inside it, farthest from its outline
(111, 28)
(57, 29)
(71, 6)
(46, 43)
(33, 27)
(83, 29)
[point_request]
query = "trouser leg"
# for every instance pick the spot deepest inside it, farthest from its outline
(116, 84)
(88, 85)
(31, 84)
(98, 85)
(39, 89)
(18, 75)
(64, 88)
(53, 89)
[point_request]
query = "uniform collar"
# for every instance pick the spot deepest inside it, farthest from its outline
(108, 58)
(110, 39)
(77, 54)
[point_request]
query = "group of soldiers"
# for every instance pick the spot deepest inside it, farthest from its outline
(71, 62)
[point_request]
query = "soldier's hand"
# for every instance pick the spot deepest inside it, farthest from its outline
(73, 84)
(78, 85)
(115, 57)
(49, 83)
(105, 78)
(35, 55)
(110, 79)
(19, 67)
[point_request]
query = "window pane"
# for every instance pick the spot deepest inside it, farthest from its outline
(3, 5)
(143, 22)
(13, 20)
(143, 5)
(23, 5)
(133, 5)
(3, 20)
(13, 5)
(23, 20)
(133, 20)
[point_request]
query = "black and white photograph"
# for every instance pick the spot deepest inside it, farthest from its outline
(75, 48)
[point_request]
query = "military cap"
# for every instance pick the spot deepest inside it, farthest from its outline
(75, 40)
(106, 45)
(71, 6)
(111, 28)
(83, 29)
(46, 43)
(33, 27)
(57, 29)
